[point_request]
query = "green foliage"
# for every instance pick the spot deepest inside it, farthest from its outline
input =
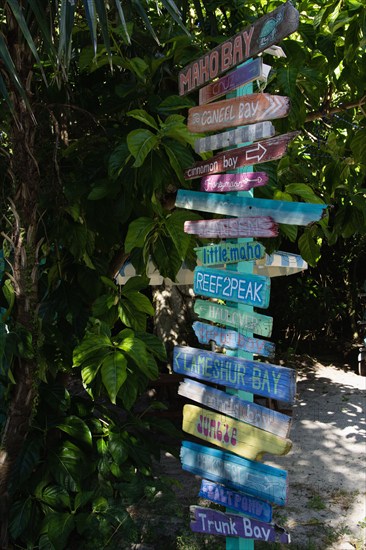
(108, 156)
(80, 470)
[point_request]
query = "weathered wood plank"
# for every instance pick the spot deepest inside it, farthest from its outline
(253, 414)
(241, 135)
(235, 318)
(255, 69)
(256, 153)
(232, 339)
(242, 181)
(243, 288)
(253, 478)
(230, 253)
(237, 111)
(295, 213)
(233, 435)
(240, 502)
(234, 372)
(213, 522)
(263, 33)
(259, 226)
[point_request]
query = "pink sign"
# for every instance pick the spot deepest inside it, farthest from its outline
(222, 183)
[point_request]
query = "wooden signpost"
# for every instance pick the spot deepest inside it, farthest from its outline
(262, 34)
(253, 70)
(235, 287)
(258, 226)
(230, 253)
(294, 213)
(232, 339)
(252, 478)
(233, 435)
(240, 502)
(232, 421)
(254, 132)
(259, 378)
(238, 111)
(222, 183)
(214, 522)
(253, 414)
(259, 152)
(231, 317)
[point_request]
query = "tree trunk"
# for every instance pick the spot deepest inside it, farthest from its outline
(23, 214)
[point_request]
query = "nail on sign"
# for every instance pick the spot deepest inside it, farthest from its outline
(243, 288)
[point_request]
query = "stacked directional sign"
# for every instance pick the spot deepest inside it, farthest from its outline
(235, 432)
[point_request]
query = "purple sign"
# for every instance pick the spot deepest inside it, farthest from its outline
(214, 522)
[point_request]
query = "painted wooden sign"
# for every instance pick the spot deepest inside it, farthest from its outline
(242, 181)
(255, 69)
(253, 414)
(240, 502)
(233, 435)
(243, 288)
(253, 132)
(232, 339)
(237, 111)
(230, 253)
(213, 522)
(293, 213)
(259, 226)
(263, 33)
(234, 318)
(256, 153)
(234, 372)
(253, 478)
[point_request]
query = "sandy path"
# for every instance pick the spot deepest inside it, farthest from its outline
(327, 464)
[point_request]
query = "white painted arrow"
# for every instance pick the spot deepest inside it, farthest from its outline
(256, 154)
(275, 105)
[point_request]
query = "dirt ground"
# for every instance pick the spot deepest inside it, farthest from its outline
(326, 507)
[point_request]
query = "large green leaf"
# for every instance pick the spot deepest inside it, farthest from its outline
(175, 226)
(26, 33)
(304, 191)
(137, 233)
(141, 302)
(309, 248)
(114, 373)
(77, 428)
(20, 514)
(90, 346)
(153, 344)
(69, 466)
(143, 116)
(140, 143)
(55, 496)
(59, 527)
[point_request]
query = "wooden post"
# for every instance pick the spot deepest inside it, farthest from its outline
(233, 543)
